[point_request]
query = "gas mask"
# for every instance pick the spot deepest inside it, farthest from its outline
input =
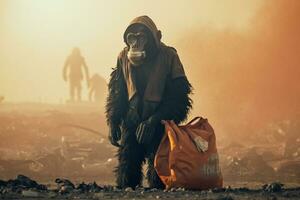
(137, 43)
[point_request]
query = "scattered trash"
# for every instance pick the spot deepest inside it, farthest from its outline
(64, 186)
(22, 182)
(30, 145)
(273, 187)
(250, 167)
(27, 188)
(90, 187)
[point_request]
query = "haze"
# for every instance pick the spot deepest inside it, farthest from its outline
(242, 57)
(36, 36)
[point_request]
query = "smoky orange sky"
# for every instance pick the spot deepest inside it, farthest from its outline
(245, 80)
(242, 56)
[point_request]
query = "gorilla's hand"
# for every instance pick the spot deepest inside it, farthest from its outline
(114, 135)
(145, 130)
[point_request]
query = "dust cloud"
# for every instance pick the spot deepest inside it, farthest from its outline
(245, 79)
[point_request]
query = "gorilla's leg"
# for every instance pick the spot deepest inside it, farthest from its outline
(152, 177)
(131, 157)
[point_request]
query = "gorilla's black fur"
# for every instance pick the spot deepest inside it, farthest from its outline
(117, 99)
(175, 105)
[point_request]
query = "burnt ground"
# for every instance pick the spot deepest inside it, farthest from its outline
(144, 193)
(24, 188)
(289, 194)
(44, 142)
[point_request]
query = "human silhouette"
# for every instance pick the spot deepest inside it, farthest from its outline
(72, 73)
(97, 86)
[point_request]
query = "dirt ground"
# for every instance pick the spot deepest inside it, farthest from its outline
(44, 142)
(141, 193)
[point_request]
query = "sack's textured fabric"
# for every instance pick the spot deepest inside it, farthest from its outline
(187, 156)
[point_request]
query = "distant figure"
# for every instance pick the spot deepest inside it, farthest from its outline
(97, 86)
(72, 73)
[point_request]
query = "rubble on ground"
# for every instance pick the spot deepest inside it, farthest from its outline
(34, 142)
(25, 187)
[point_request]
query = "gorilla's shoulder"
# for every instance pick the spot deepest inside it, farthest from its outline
(168, 50)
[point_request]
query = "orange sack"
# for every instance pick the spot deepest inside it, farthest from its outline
(187, 156)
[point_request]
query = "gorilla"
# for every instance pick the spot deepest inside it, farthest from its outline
(147, 85)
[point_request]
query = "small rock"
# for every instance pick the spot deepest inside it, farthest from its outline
(62, 182)
(273, 187)
(64, 186)
(228, 189)
(65, 189)
(153, 190)
(30, 193)
(128, 189)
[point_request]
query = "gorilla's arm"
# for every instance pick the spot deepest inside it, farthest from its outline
(175, 105)
(176, 102)
(116, 103)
